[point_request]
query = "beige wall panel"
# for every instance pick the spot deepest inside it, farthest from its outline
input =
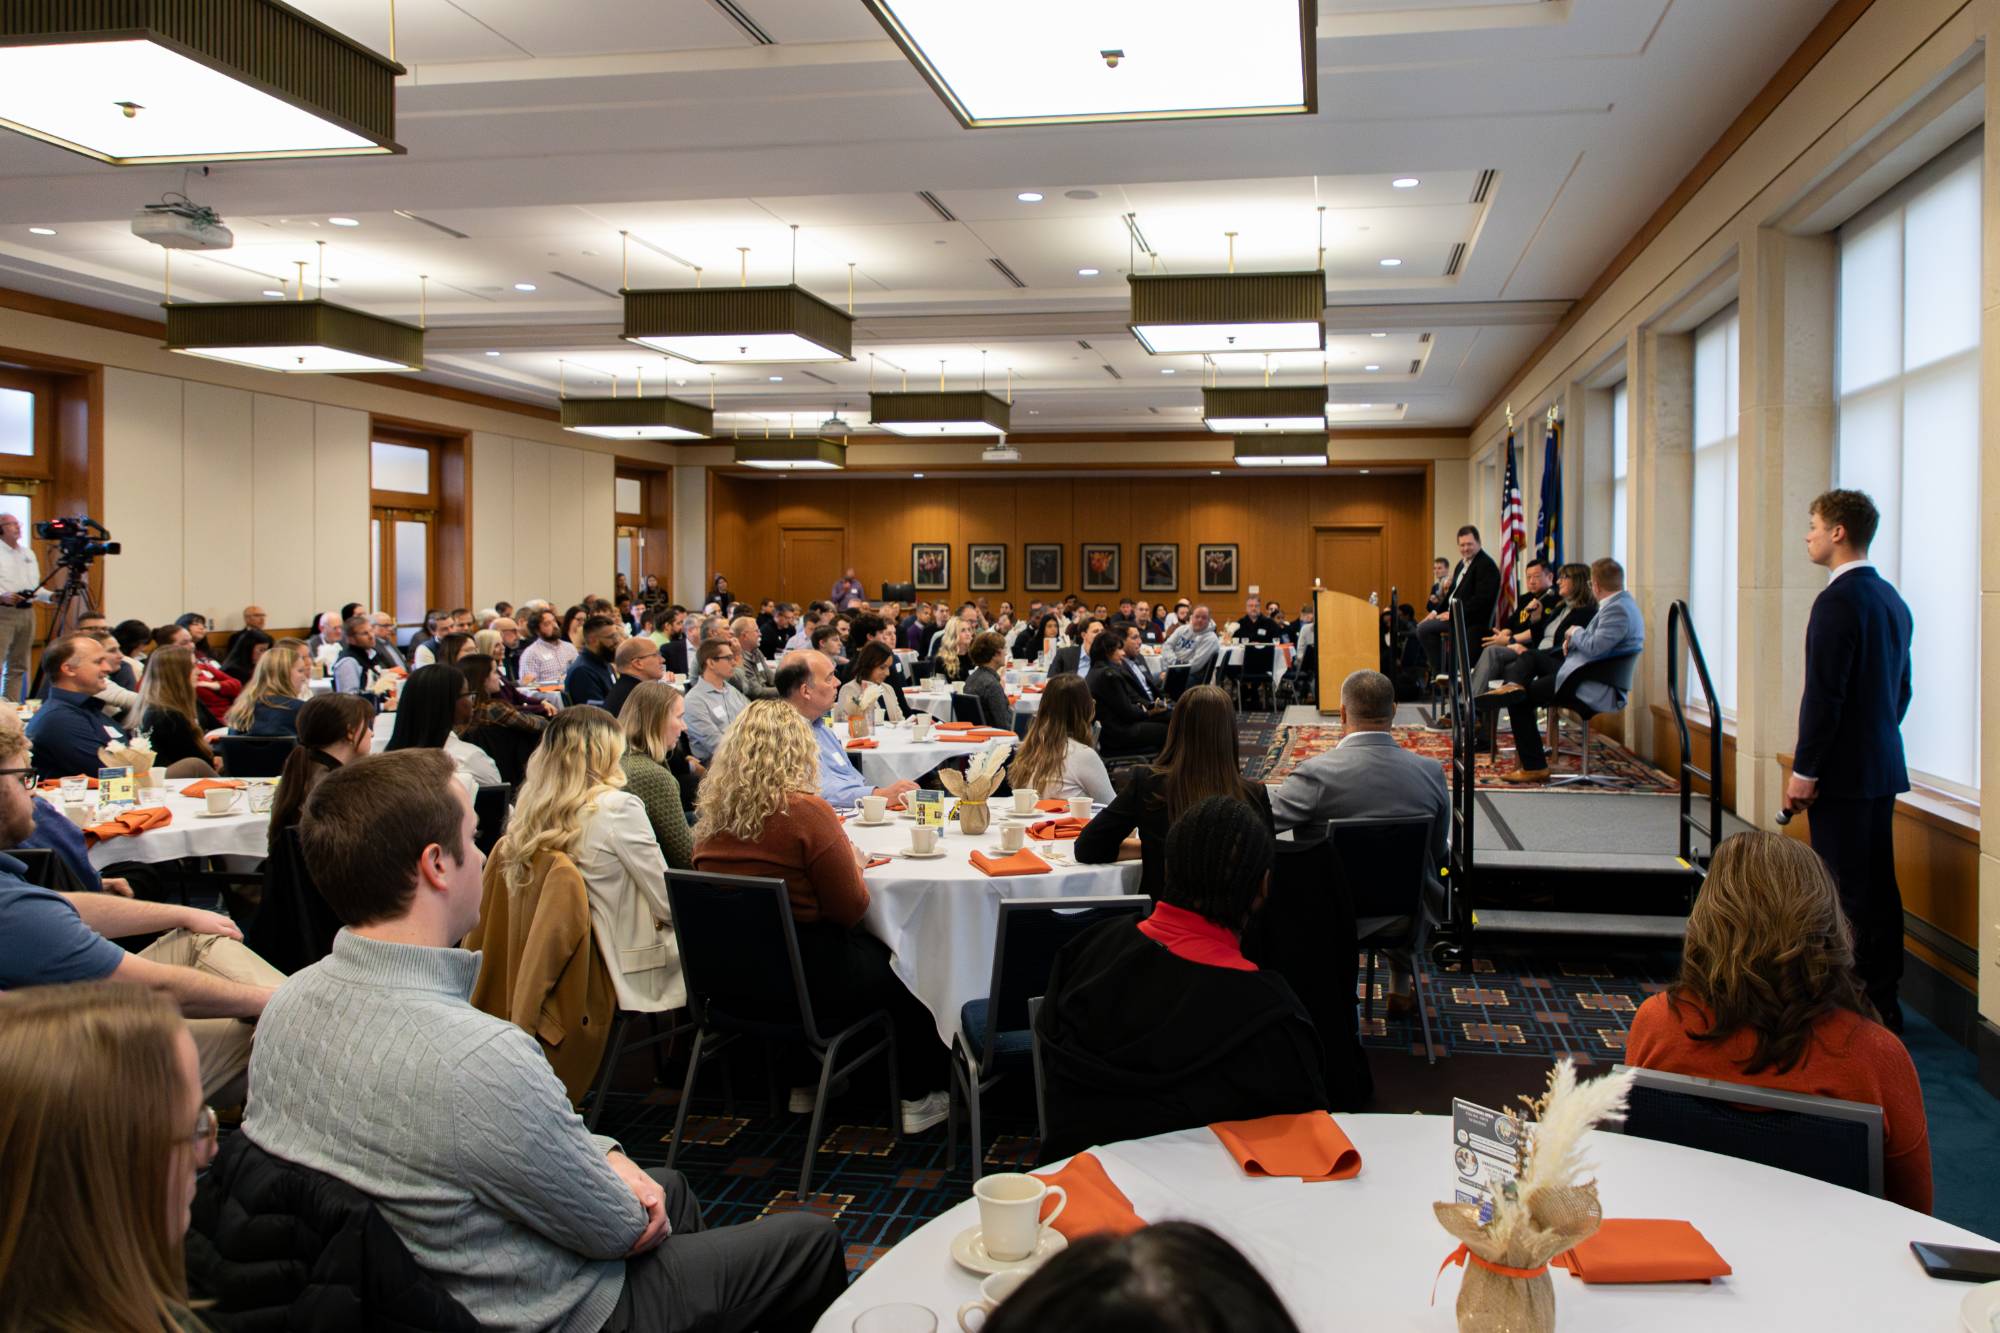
(143, 468)
(281, 517)
(217, 492)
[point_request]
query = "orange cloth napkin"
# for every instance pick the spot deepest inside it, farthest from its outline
(1023, 862)
(1644, 1249)
(55, 784)
(1034, 689)
(955, 726)
(207, 785)
(131, 823)
(554, 687)
(1056, 830)
(864, 743)
(1095, 1203)
(1308, 1146)
(983, 734)
(874, 861)
(1052, 807)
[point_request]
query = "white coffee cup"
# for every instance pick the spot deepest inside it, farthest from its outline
(923, 839)
(221, 799)
(1079, 807)
(992, 1291)
(1024, 800)
(1011, 837)
(920, 726)
(1010, 1213)
(873, 808)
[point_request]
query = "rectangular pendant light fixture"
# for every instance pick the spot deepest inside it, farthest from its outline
(1229, 312)
(638, 418)
(716, 325)
(1064, 62)
(1265, 410)
(952, 412)
(298, 337)
(1303, 449)
(158, 81)
(791, 455)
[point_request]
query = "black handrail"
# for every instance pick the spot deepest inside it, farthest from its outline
(1680, 621)
(1464, 774)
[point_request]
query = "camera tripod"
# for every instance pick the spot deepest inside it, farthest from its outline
(71, 603)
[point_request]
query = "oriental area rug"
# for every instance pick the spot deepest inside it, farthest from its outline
(1292, 746)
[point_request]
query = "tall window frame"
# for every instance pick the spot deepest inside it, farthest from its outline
(403, 528)
(1907, 371)
(1621, 466)
(1714, 509)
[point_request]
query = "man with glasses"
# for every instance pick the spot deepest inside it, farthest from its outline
(712, 703)
(638, 661)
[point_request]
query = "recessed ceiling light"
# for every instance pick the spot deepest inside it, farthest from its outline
(493, 354)
(1168, 370)
(776, 379)
(41, 231)
(1362, 471)
(1391, 263)
(1214, 473)
(524, 286)
(1086, 273)
(275, 296)
(1371, 367)
(1029, 196)
(344, 222)
(1079, 194)
(1378, 335)
(917, 476)
(1406, 182)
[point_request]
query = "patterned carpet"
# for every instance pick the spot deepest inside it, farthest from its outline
(1288, 747)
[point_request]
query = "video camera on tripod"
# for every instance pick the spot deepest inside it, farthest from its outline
(79, 540)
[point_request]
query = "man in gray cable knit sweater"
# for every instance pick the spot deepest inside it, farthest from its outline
(372, 1066)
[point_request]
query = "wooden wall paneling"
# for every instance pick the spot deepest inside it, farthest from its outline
(282, 527)
(986, 515)
(217, 485)
(1160, 514)
(142, 464)
(493, 521)
(562, 511)
(530, 533)
(340, 506)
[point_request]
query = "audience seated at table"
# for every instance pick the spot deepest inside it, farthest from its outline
(988, 655)
(121, 702)
(1171, 1277)
(760, 813)
(445, 650)
(574, 803)
(1162, 1024)
(245, 651)
(71, 725)
(433, 706)
(359, 662)
(752, 678)
(654, 720)
(954, 651)
(270, 702)
(546, 660)
(104, 1130)
(1057, 758)
(1193, 644)
(334, 731)
(1199, 760)
(169, 716)
(503, 729)
(806, 683)
(1129, 722)
(873, 663)
(1768, 996)
(635, 662)
(590, 677)
(373, 1068)
(1074, 656)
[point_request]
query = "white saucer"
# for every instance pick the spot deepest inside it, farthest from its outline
(1979, 1309)
(216, 814)
(970, 1251)
(872, 823)
(920, 856)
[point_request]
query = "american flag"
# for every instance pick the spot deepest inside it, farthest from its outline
(1513, 535)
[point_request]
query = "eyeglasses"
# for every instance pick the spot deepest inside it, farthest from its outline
(24, 776)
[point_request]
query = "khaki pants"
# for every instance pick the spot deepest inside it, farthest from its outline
(222, 1043)
(17, 637)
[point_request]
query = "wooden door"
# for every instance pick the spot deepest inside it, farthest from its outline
(1349, 559)
(810, 562)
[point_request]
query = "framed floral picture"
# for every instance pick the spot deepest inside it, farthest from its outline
(1218, 567)
(1100, 567)
(1159, 567)
(930, 566)
(1043, 564)
(988, 566)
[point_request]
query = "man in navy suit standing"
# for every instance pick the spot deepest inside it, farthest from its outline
(1848, 765)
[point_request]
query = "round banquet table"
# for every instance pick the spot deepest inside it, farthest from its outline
(1361, 1253)
(940, 918)
(192, 832)
(897, 758)
(938, 703)
(1281, 662)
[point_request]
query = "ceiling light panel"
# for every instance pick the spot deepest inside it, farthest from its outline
(1026, 62)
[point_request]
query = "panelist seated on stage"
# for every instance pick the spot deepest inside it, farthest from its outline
(1536, 607)
(1539, 650)
(1617, 630)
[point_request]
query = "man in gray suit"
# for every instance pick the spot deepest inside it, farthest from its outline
(1617, 630)
(1369, 776)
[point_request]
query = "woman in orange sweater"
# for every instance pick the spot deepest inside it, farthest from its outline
(759, 813)
(1767, 996)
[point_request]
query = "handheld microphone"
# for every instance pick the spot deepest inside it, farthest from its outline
(1784, 817)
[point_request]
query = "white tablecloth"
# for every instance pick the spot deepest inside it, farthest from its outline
(1232, 655)
(940, 918)
(938, 703)
(1361, 1253)
(897, 758)
(192, 833)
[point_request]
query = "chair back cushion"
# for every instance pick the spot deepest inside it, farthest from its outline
(1031, 933)
(739, 953)
(1835, 1151)
(490, 806)
(1382, 863)
(1259, 659)
(968, 708)
(255, 756)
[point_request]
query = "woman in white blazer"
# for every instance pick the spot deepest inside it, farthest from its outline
(573, 801)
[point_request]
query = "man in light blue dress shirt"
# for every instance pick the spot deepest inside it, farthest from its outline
(806, 682)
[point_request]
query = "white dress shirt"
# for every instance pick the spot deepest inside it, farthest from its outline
(20, 570)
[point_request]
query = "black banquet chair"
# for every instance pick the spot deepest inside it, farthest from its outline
(1836, 1141)
(255, 756)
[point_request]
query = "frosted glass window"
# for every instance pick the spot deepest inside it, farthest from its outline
(375, 566)
(18, 506)
(1712, 540)
(629, 496)
(412, 568)
(624, 556)
(17, 422)
(1621, 463)
(402, 467)
(1909, 437)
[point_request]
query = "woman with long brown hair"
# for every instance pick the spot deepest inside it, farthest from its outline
(1768, 996)
(171, 716)
(1198, 761)
(1057, 758)
(101, 1133)
(334, 730)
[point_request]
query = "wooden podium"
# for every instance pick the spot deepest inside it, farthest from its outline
(1348, 632)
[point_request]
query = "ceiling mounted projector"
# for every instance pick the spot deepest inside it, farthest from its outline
(178, 223)
(1002, 452)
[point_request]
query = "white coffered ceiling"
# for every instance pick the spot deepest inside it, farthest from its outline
(1543, 133)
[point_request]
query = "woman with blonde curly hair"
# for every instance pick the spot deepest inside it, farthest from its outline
(1768, 996)
(759, 812)
(574, 804)
(101, 1133)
